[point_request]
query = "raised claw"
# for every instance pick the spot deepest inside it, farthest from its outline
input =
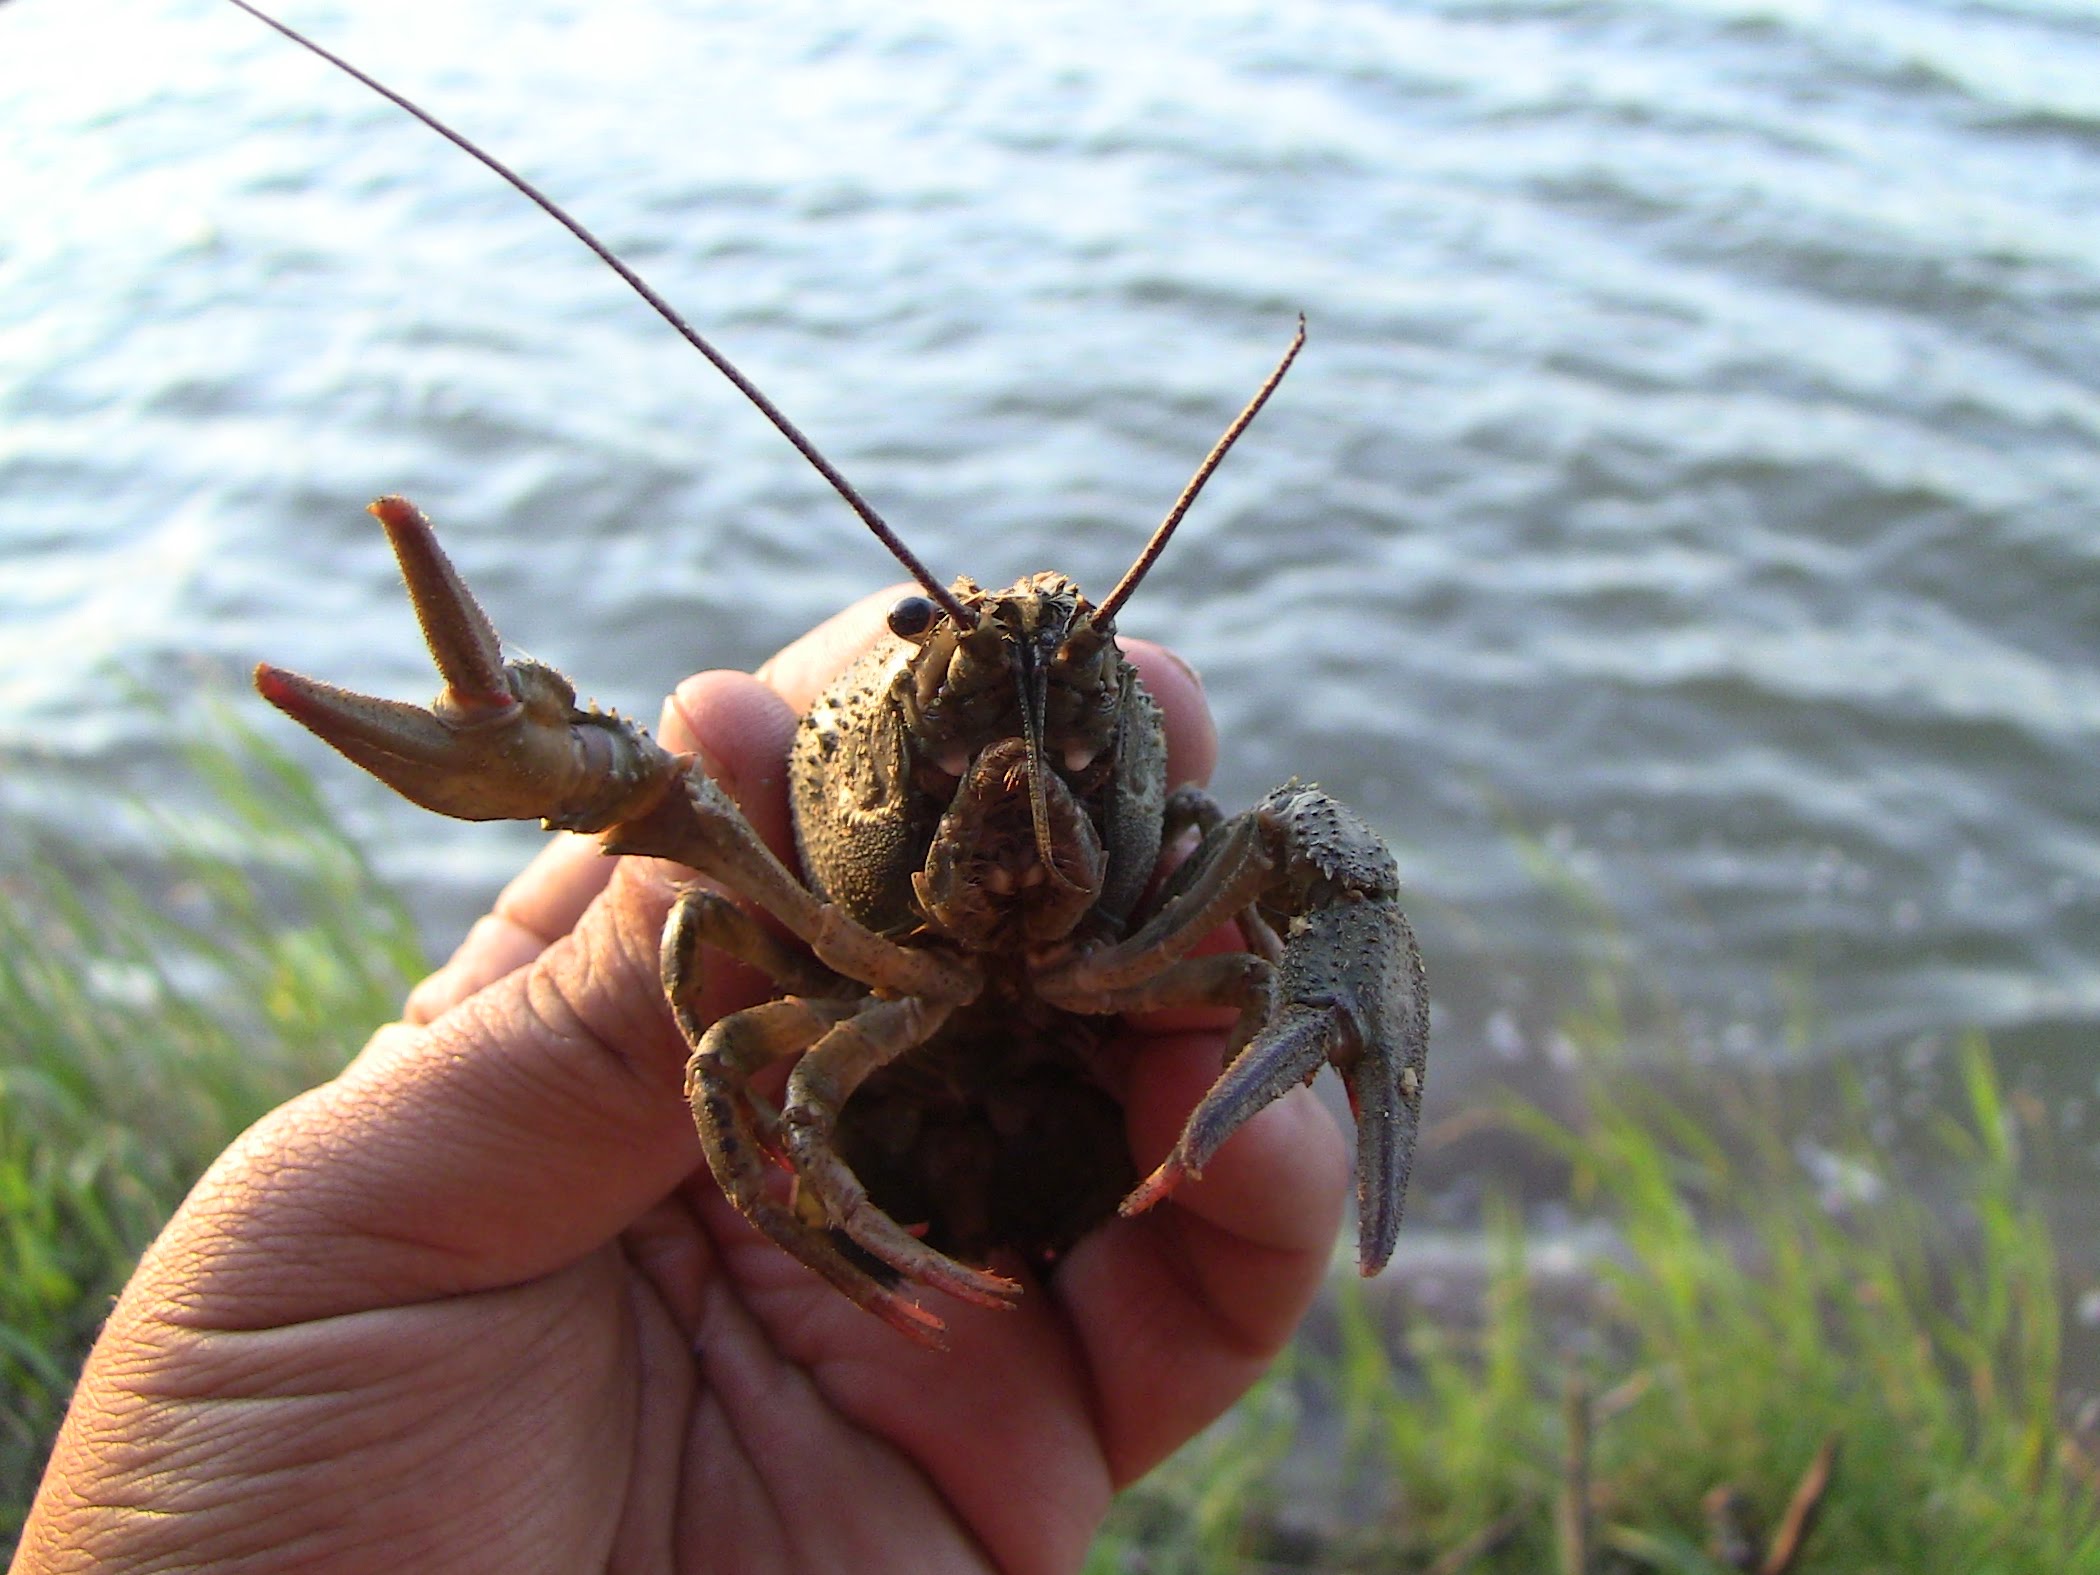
(503, 740)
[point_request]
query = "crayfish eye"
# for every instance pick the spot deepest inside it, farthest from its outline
(912, 617)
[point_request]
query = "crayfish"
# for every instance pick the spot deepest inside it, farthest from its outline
(981, 805)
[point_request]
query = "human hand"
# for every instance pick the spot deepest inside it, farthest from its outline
(477, 1304)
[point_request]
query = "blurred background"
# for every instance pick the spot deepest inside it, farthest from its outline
(1686, 500)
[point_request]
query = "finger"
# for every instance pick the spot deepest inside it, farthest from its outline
(1279, 1186)
(541, 902)
(1192, 738)
(803, 670)
(711, 707)
(1179, 1310)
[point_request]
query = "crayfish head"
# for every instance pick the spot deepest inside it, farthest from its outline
(1036, 663)
(1036, 680)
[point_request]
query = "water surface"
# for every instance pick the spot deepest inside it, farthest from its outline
(1694, 466)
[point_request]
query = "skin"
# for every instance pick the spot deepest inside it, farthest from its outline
(477, 1304)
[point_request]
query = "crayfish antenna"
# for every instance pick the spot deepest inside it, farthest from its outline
(1158, 544)
(692, 336)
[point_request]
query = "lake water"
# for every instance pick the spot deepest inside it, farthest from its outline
(1693, 473)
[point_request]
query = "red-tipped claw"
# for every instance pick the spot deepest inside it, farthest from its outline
(502, 741)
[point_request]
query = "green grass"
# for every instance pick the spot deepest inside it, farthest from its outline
(146, 1016)
(1737, 1321)
(1737, 1317)
(1733, 1320)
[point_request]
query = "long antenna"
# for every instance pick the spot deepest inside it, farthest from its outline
(1158, 544)
(662, 308)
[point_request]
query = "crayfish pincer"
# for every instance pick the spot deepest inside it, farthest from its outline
(981, 804)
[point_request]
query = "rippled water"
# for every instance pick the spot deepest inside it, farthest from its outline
(1695, 461)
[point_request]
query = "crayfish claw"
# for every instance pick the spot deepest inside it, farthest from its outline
(1348, 991)
(503, 740)
(1294, 1046)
